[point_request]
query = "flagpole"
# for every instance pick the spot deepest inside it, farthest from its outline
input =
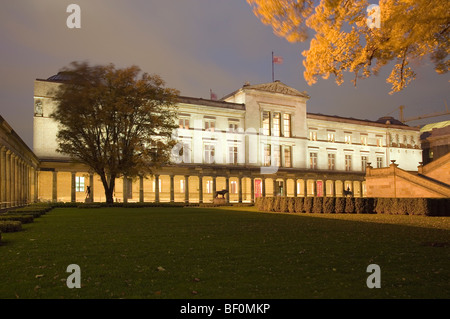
(273, 77)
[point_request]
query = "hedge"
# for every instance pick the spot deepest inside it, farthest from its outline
(394, 206)
(24, 219)
(10, 226)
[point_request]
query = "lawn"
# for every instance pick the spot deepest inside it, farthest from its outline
(208, 253)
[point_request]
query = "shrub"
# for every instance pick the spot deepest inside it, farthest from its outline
(276, 204)
(34, 214)
(24, 219)
(298, 204)
(339, 206)
(369, 205)
(268, 204)
(10, 226)
(349, 205)
(317, 205)
(380, 206)
(359, 206)
(328, 205)
(308, 205)
(259, 203)
(291, 205)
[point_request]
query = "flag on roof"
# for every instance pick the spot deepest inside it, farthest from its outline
(277, 59)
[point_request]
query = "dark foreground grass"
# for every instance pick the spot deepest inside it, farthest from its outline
(216, 253)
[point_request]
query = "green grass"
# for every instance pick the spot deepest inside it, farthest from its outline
(225, 253)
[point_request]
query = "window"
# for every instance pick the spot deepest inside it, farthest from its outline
(159, 185)
(209, 187)
(181, 185)
(348, 138)
(313, 135)
(331, 136)
(276, 124)
(313, 160)
(233, 187)
(184, 123)
(412, 141)
(379, 162)
(129, 185)
(232, 155)
(277, 155)
(79, 184)
(364, 140)
(209, 154)
(379, 141)
(267, 155)
(210, 125)
(266, 123)
(348, 162)
(287, 156)
(287, 125)
(232, 127)
(185, 152)
(331, 161)
(364, 160)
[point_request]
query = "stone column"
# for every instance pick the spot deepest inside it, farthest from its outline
(73, 193)
(240, 189)
(214, 186)
(227, 187)
(252, 189)
(324, 188)
(200, 189)
(141, 189)
(263, 185)
(284, 187)
(8, 179)
(55, 187)
(305, 187)
(13, 180)
(36, 185)
(156, 176)
(172, 189)
(186, 188)
(333, 189)
(315, 188)
(3, 177)
(125, 189)
(295, 187)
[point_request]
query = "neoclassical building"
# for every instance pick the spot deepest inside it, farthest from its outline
(257, 141)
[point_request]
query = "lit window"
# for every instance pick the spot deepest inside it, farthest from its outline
(348, 162)
(331, 161)
(232, 127)
(267, 155)
(209, 187)
(277, 156)
(287, 125)
(379, 162)
(379, 141)
(266, 123)
(287, 156)
(364, 140)
(348, 138)
(331, 137)
(79, 184)
(210, 125)
(209, 154)
(184, 123)
(233, 187)
(181, 185)
(276, 124)
(313, 135)
(313, 160)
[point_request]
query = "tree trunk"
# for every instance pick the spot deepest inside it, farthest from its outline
(109, 188)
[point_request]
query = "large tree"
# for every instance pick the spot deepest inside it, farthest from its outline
(410, 30)
(119, 122)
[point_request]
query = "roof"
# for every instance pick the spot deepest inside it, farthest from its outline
(213, 103)
(271, 87)
(431, 126)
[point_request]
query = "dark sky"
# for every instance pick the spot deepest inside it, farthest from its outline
(195, 45)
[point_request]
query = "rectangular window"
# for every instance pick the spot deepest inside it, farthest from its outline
(184, 123)
(266, 122)
(209, 154)
(267, 155)
(233, 187)
(276, 124)
(313, 160)
(209, 187)
(313, 135)
(232, 155)
(210, 125)
(348, 162)
(331, 137)
(287, 125)
(364, 161)
(379, 141)
(348, 138)
(287, 156)
(232, 127)
(364, 140)
(79, 184)
(331, 161)
(277, 155)
(379, 162)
